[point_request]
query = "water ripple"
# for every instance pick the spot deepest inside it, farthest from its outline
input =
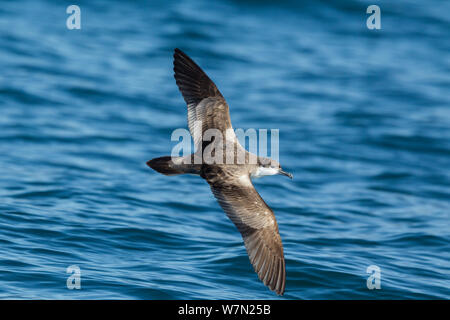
(364, 126)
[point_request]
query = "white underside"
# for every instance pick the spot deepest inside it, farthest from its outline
(262, 171)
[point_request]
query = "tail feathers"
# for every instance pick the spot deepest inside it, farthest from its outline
(172, 166)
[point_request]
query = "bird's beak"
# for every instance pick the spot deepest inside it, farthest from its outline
(287, 174)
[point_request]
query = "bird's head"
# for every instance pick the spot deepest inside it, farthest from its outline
(269, 167)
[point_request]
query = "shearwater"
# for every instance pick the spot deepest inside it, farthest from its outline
(230, 182)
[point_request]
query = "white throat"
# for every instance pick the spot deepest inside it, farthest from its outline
(263, 171)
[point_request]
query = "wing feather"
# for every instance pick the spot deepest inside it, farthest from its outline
(204, 101)
(258, 227)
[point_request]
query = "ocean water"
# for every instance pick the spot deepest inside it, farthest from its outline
(364, 124)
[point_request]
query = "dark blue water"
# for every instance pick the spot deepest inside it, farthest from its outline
(364, 123)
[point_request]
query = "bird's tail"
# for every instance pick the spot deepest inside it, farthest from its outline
(173, 165)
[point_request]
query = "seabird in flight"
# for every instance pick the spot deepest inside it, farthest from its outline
(230, 182)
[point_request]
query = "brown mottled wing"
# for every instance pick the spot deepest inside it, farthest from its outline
(204, 101)
(258, 226)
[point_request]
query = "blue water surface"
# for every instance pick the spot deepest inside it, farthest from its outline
(364, 119)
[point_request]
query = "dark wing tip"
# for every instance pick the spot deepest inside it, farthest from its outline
(179, 54)
(178, 51)
(267, 259)
(192, 81)
(271, 271)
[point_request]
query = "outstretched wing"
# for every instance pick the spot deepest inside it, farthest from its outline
(258, 226)
(204, 101)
